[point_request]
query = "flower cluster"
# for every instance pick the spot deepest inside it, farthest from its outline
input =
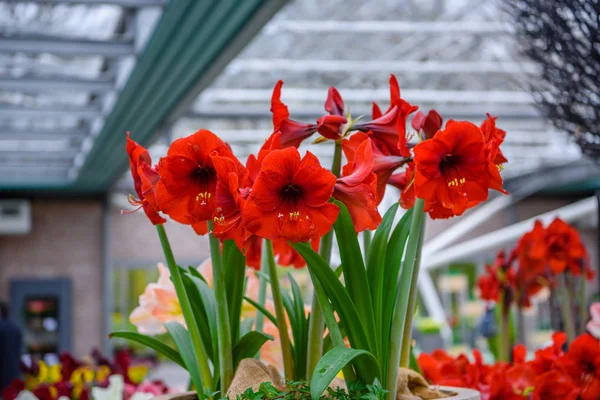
(73, 379)
(540, 256)
(551, 374)
(285, 197)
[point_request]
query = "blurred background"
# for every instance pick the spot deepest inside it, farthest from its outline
(75, 75)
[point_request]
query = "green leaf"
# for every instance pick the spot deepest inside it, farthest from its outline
(246, 326)
(201, 313)
(248, 346)
(193, 271)
(152, 343)
(336, 292)
(393, 261)
(183, 342)
(263, 310)
(376, 265)
(234, 266)
(332, 363)
(300, 331)
(355, 275)
(210, 304)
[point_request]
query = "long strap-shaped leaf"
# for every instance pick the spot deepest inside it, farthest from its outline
(340, 299)
(234, 266)
(355, 275)
(152, 343)
(183, 342)
(203, 313)
(248, 346)
(210, 304)
(300, 331)
(393, 261)
(333, 362)
(376, 266)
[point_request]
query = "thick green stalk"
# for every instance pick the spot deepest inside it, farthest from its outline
(335, 334)
(565, 307)
(583, 309)
(367, 236)
(262, 288)
(412, 302)
(402, 299)
(316, 323)
(186, 309)
(223, 324)
(504, 338)
(284, 337)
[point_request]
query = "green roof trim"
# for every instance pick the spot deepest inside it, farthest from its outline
(193, 41)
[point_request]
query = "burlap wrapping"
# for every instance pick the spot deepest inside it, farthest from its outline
(251, 373)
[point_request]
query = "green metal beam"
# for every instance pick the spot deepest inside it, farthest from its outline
(188, 43)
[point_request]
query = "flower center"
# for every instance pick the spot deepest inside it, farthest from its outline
(291, 193)
(203, 174)
(449, 169)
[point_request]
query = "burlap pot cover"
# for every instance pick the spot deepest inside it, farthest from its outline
(411, 386)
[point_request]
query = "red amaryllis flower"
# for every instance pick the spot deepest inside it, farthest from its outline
(565, 250)
(443, 369)
(254, 162)
(357, 189)
(545, 358)
(287, 256)
(493, 138)
(188, 178)
(383, 163)
(293, 132)
(555, 384)
(429, 124)
(499, 279)
(12, 391)
(404, 181)
(145, 178)
(449, 167)
(390, 128)
(582, 364)
(334, 104)
(230, 197)
(290, 198)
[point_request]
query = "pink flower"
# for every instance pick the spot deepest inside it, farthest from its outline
(593, 326)
(143, 316)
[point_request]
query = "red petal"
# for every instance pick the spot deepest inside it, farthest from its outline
(278, 108)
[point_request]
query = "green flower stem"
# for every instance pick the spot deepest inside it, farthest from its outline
(262, 288)
(565, 308)
(504, 332)
(335, 334)
(401, 307)
(367, 236)
(412, 302)
(223, 324)
(583, 309)
(284, 338)
(186, 308)
(316, 323)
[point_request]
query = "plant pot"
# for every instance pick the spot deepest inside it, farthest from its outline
(461, 394)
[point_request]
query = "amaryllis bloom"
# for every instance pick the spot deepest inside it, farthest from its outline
(545, 358)
(357, 189)
(565, 250)
(159, 296)
(555, 384)
(188, 178)
(384, 164)
(449, 167)
(404, 181)
(390, 128)
(290, 198)
(582, 364)
(493, 138)
(593, 326)
(293, 132)
(334, 104)
(145, 178)
(254, 162)
(429, 124)
(498, 280)
(230, 196)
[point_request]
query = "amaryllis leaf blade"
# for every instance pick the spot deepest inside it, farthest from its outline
(336, 292)
(355, 275)
(182, 340)
(203, 311)
(262, 309)
(234, 265)
(334, 361)
(301, 333)
(376, 264)
(210, 303)
(248, 346)
(151, 343)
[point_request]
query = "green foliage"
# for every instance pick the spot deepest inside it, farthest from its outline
(299, 390)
